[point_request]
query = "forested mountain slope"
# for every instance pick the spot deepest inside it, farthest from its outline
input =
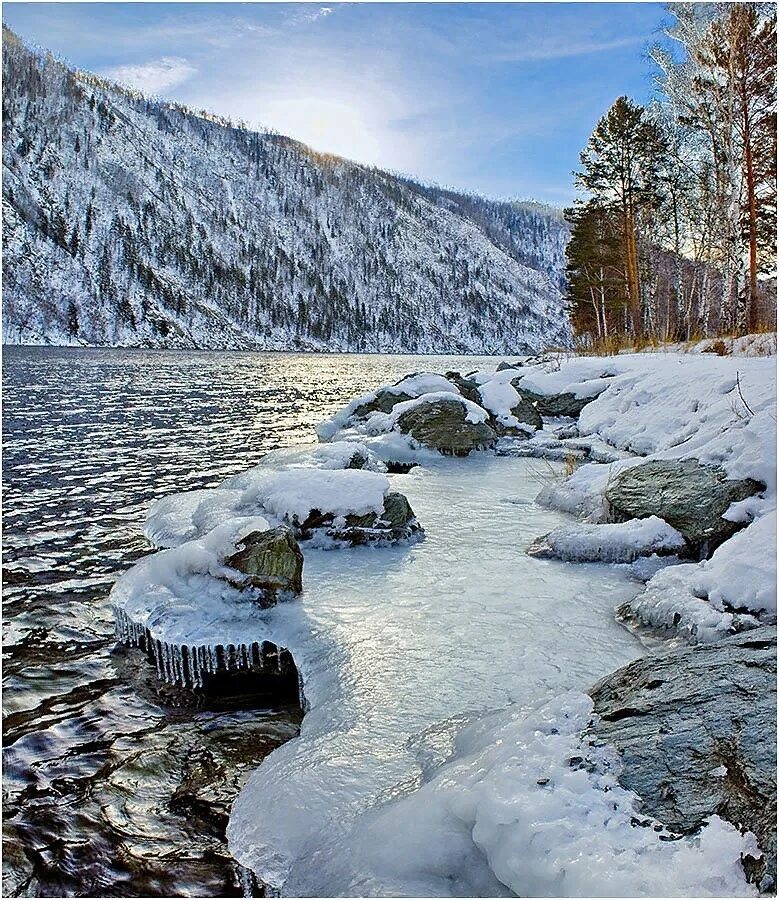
(135, 222)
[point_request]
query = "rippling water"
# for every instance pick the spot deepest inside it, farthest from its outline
(109, 790)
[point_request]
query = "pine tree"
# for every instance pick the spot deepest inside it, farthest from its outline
(595, 271)
(620, 172)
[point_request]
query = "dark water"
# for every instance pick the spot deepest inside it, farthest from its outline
(109, 789)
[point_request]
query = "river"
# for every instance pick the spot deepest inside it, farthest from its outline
(109, 790)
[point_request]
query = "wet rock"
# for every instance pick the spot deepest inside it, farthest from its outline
(688, 495)
(384, 401)
(503, 366)
(696, 733)
(271, 561)
(466, 386)
(443, 425)
(397, 522)
(565, 404)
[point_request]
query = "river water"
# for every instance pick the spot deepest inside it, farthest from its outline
(109, 789)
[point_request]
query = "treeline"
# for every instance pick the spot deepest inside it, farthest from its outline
(676, 236)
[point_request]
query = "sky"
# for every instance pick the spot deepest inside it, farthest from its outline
(497, 98)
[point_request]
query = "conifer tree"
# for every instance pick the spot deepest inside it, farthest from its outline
(619, 171)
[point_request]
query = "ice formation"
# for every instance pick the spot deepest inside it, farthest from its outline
(527, 803)
(398, 641)
(183, 607)
(618, 542)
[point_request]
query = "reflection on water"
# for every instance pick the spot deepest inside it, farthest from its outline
(108, 790)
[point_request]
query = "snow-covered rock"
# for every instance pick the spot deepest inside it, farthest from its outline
(702, 602)
(695, 730)
(691, 497)
(530, 805)
(620, 542)
(335, 505)
(198, 609)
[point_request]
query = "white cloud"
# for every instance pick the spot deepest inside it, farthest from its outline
(300, 17)
(560, 47)
(153, 77)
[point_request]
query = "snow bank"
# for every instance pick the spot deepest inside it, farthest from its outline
(620, 542)
(528, 804)
(701, 602)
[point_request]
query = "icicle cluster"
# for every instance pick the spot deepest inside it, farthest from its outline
(188, 666)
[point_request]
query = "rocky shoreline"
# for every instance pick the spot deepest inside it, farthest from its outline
(694, 727)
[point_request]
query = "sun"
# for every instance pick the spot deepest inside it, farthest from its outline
(328, 124)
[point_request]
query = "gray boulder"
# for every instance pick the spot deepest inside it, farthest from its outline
(442, 425)
(565, 404)
(466, 386)
(524, 412)
(397, 522)
(269, 560)
(687, 494)
(696, 733)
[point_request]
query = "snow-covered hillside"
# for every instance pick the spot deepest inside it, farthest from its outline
(134, 222)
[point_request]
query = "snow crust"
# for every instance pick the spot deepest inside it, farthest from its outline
(618, 542)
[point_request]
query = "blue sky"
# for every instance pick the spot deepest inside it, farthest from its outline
(496, 98)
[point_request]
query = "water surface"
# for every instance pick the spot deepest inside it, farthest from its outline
(109, 790)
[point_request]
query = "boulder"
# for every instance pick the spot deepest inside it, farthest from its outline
(564, 404)
(269, 560)
(687, 494)
(396, 523)
(526, 414)
(442, 425)
(502, 366)
(696, 733)
(466, 386)
(384, 401)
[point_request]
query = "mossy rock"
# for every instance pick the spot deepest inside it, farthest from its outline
(443, 425)
(269, 560)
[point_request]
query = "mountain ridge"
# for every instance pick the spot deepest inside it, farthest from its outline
(137, 222)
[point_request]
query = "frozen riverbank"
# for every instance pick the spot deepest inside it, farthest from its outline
(438, 844)
(399, 644)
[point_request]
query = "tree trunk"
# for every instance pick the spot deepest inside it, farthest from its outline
(751, 300)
